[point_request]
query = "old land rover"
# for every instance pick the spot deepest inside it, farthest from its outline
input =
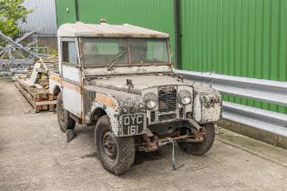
(120, 79)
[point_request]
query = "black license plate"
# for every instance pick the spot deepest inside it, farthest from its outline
(133, 124)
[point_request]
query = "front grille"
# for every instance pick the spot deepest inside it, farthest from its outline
(152, 116)
(181, 112)
(166, 117)
(167, 98)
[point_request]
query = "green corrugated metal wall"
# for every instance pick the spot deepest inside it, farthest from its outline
(236, 37)
(232, 37)
(66, 11)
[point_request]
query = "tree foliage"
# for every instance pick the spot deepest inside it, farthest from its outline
(12, 12)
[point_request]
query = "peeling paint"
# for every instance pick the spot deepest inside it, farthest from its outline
(207, 104)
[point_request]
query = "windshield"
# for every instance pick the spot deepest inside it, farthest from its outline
(119, 51)
(97, 51)
(148, 51)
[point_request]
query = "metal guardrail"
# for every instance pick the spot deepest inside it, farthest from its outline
(256, 89)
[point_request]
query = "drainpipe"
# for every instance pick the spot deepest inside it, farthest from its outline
(177, 34)
(77, 10)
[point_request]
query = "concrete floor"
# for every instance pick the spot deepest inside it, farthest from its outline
(35, 156)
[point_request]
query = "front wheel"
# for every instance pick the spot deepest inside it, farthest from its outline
(116, 154)
(200, 148)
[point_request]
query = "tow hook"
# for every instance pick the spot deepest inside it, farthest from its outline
(166, 141)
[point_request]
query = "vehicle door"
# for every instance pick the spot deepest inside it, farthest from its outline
(71, 75)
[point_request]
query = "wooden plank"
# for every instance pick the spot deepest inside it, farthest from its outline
(25, 86)
(37, 104)
(35, 92)
(54, 102)
(37, 109)
(26, 94)
(51, 97)
(51, 107)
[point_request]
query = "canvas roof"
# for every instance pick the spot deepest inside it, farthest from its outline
(80, 29)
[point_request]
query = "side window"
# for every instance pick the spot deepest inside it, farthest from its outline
(69, 53)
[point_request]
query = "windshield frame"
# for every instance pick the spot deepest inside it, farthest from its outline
(130, 63)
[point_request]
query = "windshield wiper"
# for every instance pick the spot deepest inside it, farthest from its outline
(115, 59)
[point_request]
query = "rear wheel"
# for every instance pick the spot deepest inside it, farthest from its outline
(64, 120)
(201, 147)
(116, 154)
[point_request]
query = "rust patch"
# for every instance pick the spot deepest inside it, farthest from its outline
(71, 86)
(55, 78)
(106, 100)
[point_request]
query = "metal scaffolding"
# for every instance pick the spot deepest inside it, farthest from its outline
(16, 56)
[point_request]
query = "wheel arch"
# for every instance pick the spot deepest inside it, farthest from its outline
(56, 90)
(96, 114)
(103, 104)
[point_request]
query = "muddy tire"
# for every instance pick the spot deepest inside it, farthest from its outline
(201, 148)
(64, 120)
(116, 154)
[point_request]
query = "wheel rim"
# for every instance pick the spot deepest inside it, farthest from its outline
(109, 147)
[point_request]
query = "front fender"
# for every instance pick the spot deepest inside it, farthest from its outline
(110, 105)
(207, 104)
(110, 101)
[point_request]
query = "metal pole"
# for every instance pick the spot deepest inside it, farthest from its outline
(77, 10)
(177, 34)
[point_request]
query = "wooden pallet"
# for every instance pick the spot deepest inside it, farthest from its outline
(39, 98)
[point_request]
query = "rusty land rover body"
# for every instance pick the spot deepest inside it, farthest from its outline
(120, 79)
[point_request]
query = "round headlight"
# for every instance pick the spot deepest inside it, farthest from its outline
(151, 100)
(184, 97)
(151, 104)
